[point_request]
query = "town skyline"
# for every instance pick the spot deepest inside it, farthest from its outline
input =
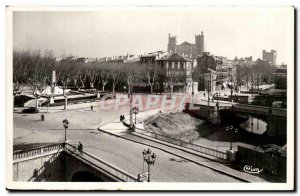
(115, 32)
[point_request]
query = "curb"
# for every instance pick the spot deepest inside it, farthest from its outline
(178, 148)
(210, 167)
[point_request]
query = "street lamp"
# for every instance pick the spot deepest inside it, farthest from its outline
(217, 99)
(231, 87)
(150, 158)
(218, 108)
(130, 106)
(135, 111)
(231, 130)
(66, 125)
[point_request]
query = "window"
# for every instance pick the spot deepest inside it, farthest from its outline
(181, 65)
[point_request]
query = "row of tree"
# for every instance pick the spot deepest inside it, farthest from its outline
(31, 68)
(257, 74)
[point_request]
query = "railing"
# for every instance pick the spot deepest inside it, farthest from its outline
(262, 109)
(185, 144)
(36, 151)
(102, 165)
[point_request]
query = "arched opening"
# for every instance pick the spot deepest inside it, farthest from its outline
(85, 176)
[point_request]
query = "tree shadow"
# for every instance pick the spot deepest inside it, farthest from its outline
(51, 170)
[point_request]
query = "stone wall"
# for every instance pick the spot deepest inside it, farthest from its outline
(41, 168)
(53, 167)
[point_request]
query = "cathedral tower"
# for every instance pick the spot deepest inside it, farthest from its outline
(172, 43)
(199, 42)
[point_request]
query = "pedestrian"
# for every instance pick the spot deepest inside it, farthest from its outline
(80, 148)
(92, 107)
(42, 117)
(122, 118)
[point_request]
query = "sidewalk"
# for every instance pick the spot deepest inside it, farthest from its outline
(118, 129)
(116, 126)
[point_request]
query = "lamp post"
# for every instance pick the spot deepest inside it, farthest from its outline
(130, 107)
(217, 99)
(150, 158)
(231, 130)
(66, 125)
(231, 89)
(135, 111)
(218, 109)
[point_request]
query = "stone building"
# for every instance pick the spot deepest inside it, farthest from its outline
(171, 65)
(217, 72)
(270, 56)
(187, 49)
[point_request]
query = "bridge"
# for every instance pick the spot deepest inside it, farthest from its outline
(210, 110)
(63, 162)
(214, 113)
(260, 110)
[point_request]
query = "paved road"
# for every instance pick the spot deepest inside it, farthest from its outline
(122, 153)
(29, 130)
(167, 168)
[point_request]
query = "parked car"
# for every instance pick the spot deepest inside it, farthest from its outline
(30, 110)
(277, 104)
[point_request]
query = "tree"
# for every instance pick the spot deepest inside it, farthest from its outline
(231, 130)
(172, 79)
(39, 72)
(132, 72)
(65, 72)
(77, 70)
(115, 73)
(21, 61)
(103, 77)
(83, 77)
(151, 74)
(92, 75)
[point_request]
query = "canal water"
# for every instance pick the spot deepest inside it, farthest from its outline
(254, 125)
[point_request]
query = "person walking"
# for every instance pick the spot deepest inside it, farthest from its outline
(42, 117)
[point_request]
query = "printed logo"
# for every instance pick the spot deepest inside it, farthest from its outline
(249, 169)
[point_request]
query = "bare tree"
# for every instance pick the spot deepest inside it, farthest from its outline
(65, 72)
(76, 73)
(132, 72)
(39, 72)
(21, 60)
(103, 76)
(92, 75)
(151, 74)
(83, 78)
(115, 73)
(173, 77)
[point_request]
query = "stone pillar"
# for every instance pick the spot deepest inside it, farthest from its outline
(231, 155)
(51, 100)
(66, 103)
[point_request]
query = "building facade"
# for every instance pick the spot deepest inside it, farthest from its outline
(186, 49)
(173, 69)
(218, 73)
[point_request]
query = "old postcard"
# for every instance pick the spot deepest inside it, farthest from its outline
(150, 98)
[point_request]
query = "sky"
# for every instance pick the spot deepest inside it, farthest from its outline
(230, 32)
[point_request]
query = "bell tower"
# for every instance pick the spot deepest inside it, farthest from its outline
(199, 42)
(172, 43)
